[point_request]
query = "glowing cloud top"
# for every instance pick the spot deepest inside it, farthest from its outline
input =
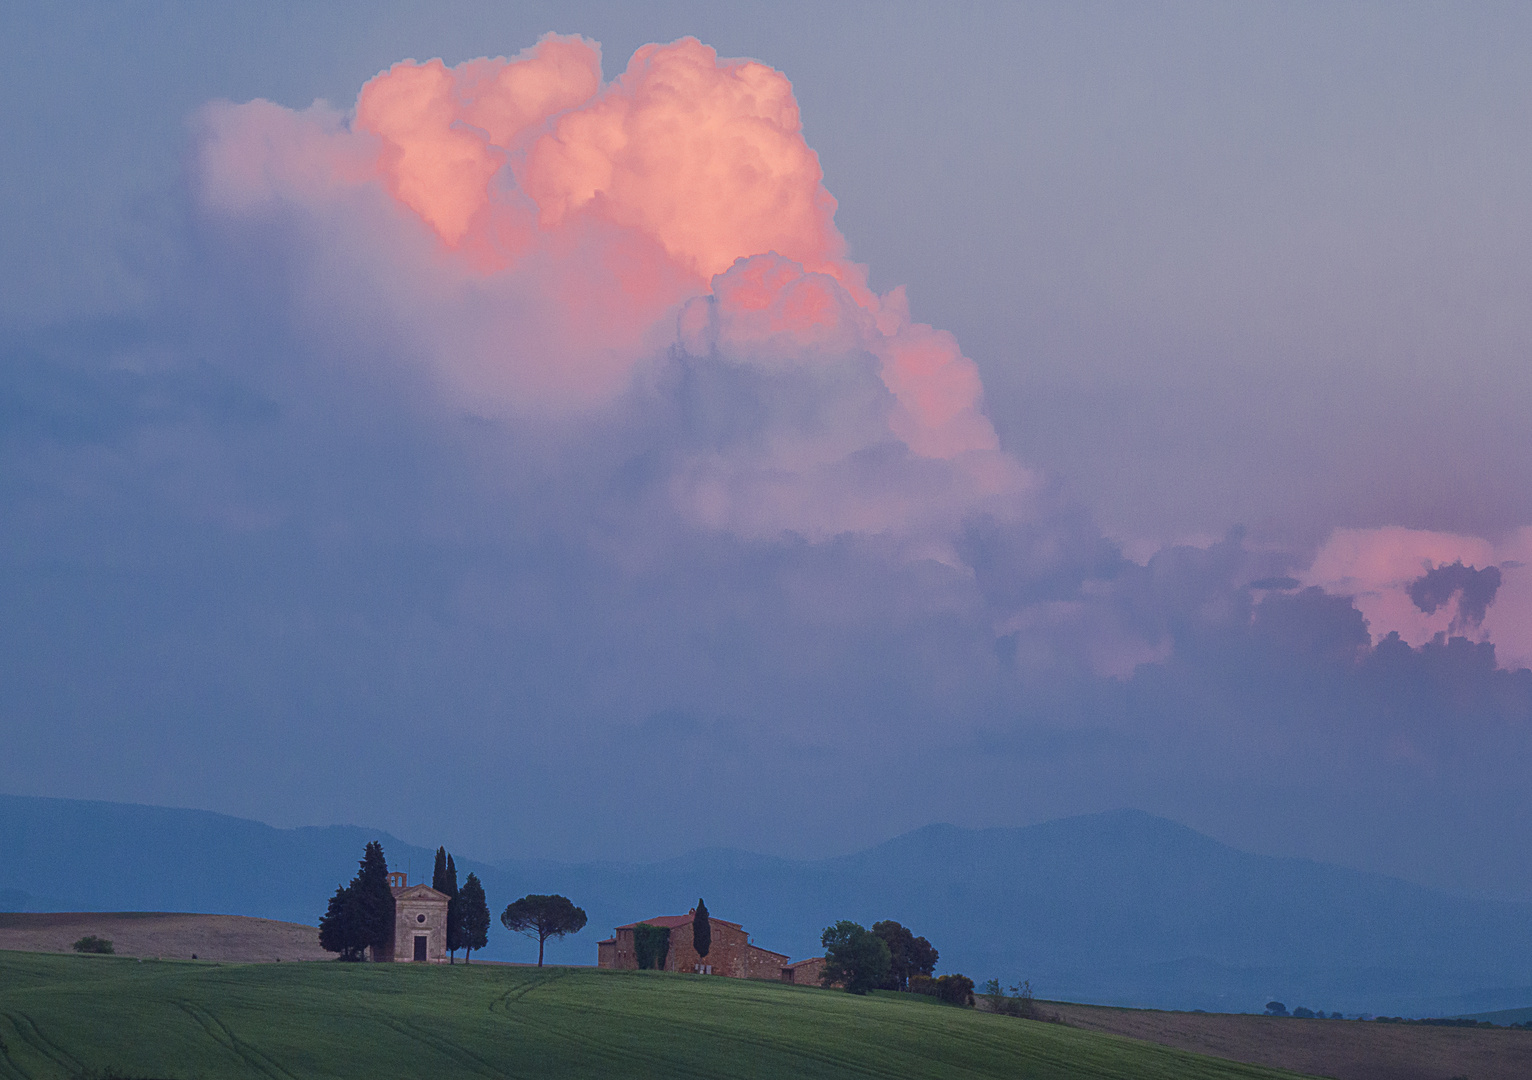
(539, 236)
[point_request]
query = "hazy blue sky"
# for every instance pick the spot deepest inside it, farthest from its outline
(1217, 266)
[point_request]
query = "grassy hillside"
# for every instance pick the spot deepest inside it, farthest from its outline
(1504, 1016)
(66, 1016)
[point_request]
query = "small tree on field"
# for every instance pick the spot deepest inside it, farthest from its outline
(340, 930)
(908, 955)
(444, 880)
(651, 946)
(90, 943)
(457, 925)
(543, 917)
(855, 957)
(373, 898)
(957, 989)
(475, 917)
(921, 959)
(360, 915)
(1019, 1002)
(899, 941)
(702, 929)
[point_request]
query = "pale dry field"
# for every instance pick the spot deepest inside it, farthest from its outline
(168, 935)
(1344, 1049)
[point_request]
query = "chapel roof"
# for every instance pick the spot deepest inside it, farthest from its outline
(417, 892)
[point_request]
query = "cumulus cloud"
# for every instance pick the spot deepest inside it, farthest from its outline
(547, 242)
(1405, 581)
(538, 431)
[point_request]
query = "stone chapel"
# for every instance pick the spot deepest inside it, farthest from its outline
(420, 924)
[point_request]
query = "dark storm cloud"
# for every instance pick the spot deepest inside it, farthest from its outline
(1474, 588)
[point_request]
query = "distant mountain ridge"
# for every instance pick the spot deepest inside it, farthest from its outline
(1115, 908)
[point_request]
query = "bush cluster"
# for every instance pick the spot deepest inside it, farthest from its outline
(887, 957)
(1018, 1002)
(1276, 1008)
(90, 943)
(955, 989)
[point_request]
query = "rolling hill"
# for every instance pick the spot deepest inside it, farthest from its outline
(1116, 908)
(65, 1017)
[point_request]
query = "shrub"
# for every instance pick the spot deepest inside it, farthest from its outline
(955, 989)
(1018, 1002)
(90, 943)
(651, 945)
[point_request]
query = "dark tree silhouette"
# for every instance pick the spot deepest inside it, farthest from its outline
(457, 926)
(908, 955)
(543, 917)
(444, 880)
(361, 914)
(475, 917)
(855, 957)
(374, 899)
(339, 929)
(702, 929)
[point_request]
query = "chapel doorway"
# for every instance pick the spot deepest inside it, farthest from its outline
(420, 948)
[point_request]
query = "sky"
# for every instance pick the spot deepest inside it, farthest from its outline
(587, 431)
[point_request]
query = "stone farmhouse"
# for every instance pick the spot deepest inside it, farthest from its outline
(420, 924)
(730, 953)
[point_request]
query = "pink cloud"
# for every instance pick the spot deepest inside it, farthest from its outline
(539, 238)
(1377, 567)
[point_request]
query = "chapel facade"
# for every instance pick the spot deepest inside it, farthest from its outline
(420, 924)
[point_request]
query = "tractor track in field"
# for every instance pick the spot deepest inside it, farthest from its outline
(9, 1070)
(28, 1032)
(443, 1046)
(609, 1055)
(516, 993)
(224, 1036)
(613, 1056)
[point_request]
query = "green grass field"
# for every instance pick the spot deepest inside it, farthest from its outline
(68, 1016)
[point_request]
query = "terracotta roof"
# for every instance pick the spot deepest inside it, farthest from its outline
(673, 921)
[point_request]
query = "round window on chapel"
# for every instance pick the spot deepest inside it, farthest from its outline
(420, 918)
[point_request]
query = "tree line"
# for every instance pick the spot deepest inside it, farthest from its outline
(887, 957)
(361, 914)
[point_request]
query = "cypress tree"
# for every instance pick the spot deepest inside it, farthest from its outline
(702, 929)
(439, 874)
(454, 912)
(374, 900)
(475, 917)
